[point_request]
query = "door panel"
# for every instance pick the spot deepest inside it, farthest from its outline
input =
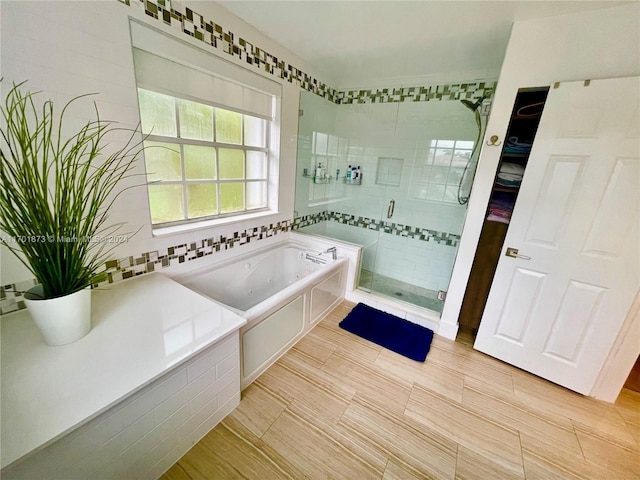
(558, 312)
(520, 305)
(554, 202)
(573, 321)
(609, 232)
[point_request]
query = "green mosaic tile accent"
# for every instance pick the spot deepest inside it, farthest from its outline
(417, 233)
(195, 25)
(116, 270)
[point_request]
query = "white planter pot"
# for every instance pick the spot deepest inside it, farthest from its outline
(60, 320)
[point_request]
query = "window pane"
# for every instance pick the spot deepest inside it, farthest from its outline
(455, 174)
(256, 165)
(439, 175)
(228, 126)
(231, 197)
(431, 155)
(446, 143)
(435, 192)
(332, 149)
(165, 202)
(201, 200)
(467, 145)
(255, 131)
(460, 158)
(451, 194)
(320, 143)
(196, 120)
(256, 195)
(157, 113)
(442, 157)
(199, 162)
(162, 161)
(231, 163)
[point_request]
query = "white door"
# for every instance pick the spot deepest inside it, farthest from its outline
(557, 313)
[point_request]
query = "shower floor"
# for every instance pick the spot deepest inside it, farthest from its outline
(398, 290)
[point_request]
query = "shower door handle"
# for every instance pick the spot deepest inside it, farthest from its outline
(392, 205)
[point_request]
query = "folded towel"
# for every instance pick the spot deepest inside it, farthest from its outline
(513, 168)
(510, 177)
(514, 146)
(501, 216)
(508, 183)
(514, 142)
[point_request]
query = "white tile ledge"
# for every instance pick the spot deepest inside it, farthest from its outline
(143, 328)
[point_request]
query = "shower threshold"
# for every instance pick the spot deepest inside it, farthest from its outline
(397, 290)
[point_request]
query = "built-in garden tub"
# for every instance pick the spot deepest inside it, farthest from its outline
(282, 291)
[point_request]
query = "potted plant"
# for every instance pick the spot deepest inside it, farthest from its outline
(56, 188)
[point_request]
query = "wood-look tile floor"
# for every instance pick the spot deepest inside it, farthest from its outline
(336, 406)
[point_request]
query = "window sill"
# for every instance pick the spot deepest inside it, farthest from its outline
(193, 226)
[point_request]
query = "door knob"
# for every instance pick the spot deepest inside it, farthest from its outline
(513, 253)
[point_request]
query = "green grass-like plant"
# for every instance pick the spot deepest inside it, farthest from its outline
(56, 189)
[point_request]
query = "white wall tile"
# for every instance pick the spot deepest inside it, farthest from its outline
(209, 360)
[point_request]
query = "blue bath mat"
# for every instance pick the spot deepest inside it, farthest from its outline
(391, 332)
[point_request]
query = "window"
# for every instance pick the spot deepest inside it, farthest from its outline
(202, 161)
(212, 133)
(443, 170)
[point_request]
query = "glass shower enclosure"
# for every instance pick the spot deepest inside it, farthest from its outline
(391, 177)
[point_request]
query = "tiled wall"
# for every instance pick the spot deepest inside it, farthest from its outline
(414, 255)
(456, 91)
(207, 31)
(418, 233)
(11, 296)
(188, 22)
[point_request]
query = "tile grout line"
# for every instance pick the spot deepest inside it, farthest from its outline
(524, 472)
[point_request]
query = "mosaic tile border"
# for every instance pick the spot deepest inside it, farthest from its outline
(196, 26)
(455, 91)
(120, 269)
(417, 233)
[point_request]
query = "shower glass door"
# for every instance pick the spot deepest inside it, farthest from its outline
(403, 209)
(416, 170)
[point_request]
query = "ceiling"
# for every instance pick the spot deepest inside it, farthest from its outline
(378, 43)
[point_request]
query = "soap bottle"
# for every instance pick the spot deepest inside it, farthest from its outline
(318, 172)
(348, 175)
(359, 179)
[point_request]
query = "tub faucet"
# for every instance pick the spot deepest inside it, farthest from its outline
(333, 251)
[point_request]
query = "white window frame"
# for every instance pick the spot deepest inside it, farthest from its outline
(194, 56)
(425, 180)
(177, 140)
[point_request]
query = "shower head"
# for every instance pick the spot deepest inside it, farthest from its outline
(472, 106)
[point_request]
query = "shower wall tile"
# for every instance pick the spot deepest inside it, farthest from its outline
(415, 255)
(397, 229)
(455, 91)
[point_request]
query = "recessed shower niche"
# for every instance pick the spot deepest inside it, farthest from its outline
(389, 171)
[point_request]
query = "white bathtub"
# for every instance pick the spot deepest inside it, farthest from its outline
(280, 292)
